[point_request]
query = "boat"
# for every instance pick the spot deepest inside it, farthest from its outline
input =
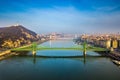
(116, 62)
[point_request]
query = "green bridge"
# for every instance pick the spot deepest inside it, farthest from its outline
(84, 48)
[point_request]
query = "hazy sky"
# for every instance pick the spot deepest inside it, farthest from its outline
(71, 16)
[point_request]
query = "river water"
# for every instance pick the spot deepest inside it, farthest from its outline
(38, 68)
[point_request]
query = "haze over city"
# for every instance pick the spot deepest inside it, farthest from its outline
(67, 16)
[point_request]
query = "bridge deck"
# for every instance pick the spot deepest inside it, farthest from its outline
(34, 47)
(58, 48)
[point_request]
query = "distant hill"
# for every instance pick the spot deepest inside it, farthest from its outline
(15, 36)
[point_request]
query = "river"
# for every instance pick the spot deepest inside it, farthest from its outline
(37, 68)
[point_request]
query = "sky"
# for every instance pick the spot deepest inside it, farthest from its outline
(62, 16)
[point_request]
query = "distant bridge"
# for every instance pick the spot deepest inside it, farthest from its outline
(69, 38)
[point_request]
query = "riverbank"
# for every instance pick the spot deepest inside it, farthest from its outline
(113, 55)
(42, 41)
(8, 53)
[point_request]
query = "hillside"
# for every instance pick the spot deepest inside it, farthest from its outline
(15, 36)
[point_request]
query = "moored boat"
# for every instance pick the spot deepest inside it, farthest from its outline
(116, 62)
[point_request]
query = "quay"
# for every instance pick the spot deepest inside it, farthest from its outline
(113, 55)
(6, 54)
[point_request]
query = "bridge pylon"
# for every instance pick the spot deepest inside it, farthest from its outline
(33, 53)
(34, 47)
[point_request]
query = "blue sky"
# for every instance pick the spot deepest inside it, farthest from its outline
(66, 16)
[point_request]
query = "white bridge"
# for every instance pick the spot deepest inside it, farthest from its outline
(65, 38)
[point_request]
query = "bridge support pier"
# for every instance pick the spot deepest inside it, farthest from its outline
(34, 59)
(84, 53)
(33, 53)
